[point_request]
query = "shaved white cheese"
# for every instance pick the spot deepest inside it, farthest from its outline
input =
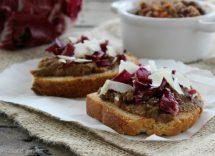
(156, 79)
(66, 57)
(78, 60)
(177, 87)
(62, 60)
(89, 47)
(81, 60)
(129, 66)
(92, 45)
(86, 48)
(152, 66)
(166, 74)
(111, 51)
(182, 80)
(81, 50)
(116, 86)
(72, 39)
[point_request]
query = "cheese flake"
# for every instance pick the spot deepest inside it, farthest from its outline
(63, 59)
(116, 86)
(182, 80)
(111, 51)
(128, 66)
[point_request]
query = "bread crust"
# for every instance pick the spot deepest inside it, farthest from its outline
(72, 87)
(69, 86)
(127, 123)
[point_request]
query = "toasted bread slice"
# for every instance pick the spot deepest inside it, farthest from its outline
(73, 87)
(127, 123)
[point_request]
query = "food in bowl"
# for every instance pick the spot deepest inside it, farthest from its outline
(185, 39)
(175, 9)
(77, 68)
(146, 99)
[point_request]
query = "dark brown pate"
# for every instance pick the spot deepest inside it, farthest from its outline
(53, 67)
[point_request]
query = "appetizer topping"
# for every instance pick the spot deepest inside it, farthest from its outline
(175, 9)
(155, 91)
(79, 57)
(102, 53)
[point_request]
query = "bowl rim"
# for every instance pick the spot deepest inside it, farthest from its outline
(126, 13)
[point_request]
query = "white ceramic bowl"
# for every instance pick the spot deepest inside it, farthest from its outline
(185, 39)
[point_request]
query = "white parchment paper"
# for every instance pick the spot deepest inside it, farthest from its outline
(15, 87)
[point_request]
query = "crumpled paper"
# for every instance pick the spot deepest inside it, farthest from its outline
(15, 87)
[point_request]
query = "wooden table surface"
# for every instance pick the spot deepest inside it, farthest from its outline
(14, 141)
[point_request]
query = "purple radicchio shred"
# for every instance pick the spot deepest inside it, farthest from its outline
(124, 77)
(143, 76)
(121, 57)
(68, 50)
(142, 96)
(173, 72)
(162, 86)
(82, 39)
(100, 58)
(168, 102)
(96, 56)
(192, 91)
(58, 48)
(104, 46)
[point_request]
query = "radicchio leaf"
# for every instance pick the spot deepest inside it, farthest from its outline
(162, 86)
(68, 50)
(168, 102)
(142, 96)
(139, 86)
(28, 31)
(124, 77)
(121, 57)
(100, 58)
(96, 56)
(82, 39)
(73, 7)
(104, 46)
(173, 72)
(143, 76)
(56, 48)
(27, 23)
(192, 91)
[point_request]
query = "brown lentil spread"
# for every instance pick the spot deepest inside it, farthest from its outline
(150, 108)
(52, 67)
(164, 9)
